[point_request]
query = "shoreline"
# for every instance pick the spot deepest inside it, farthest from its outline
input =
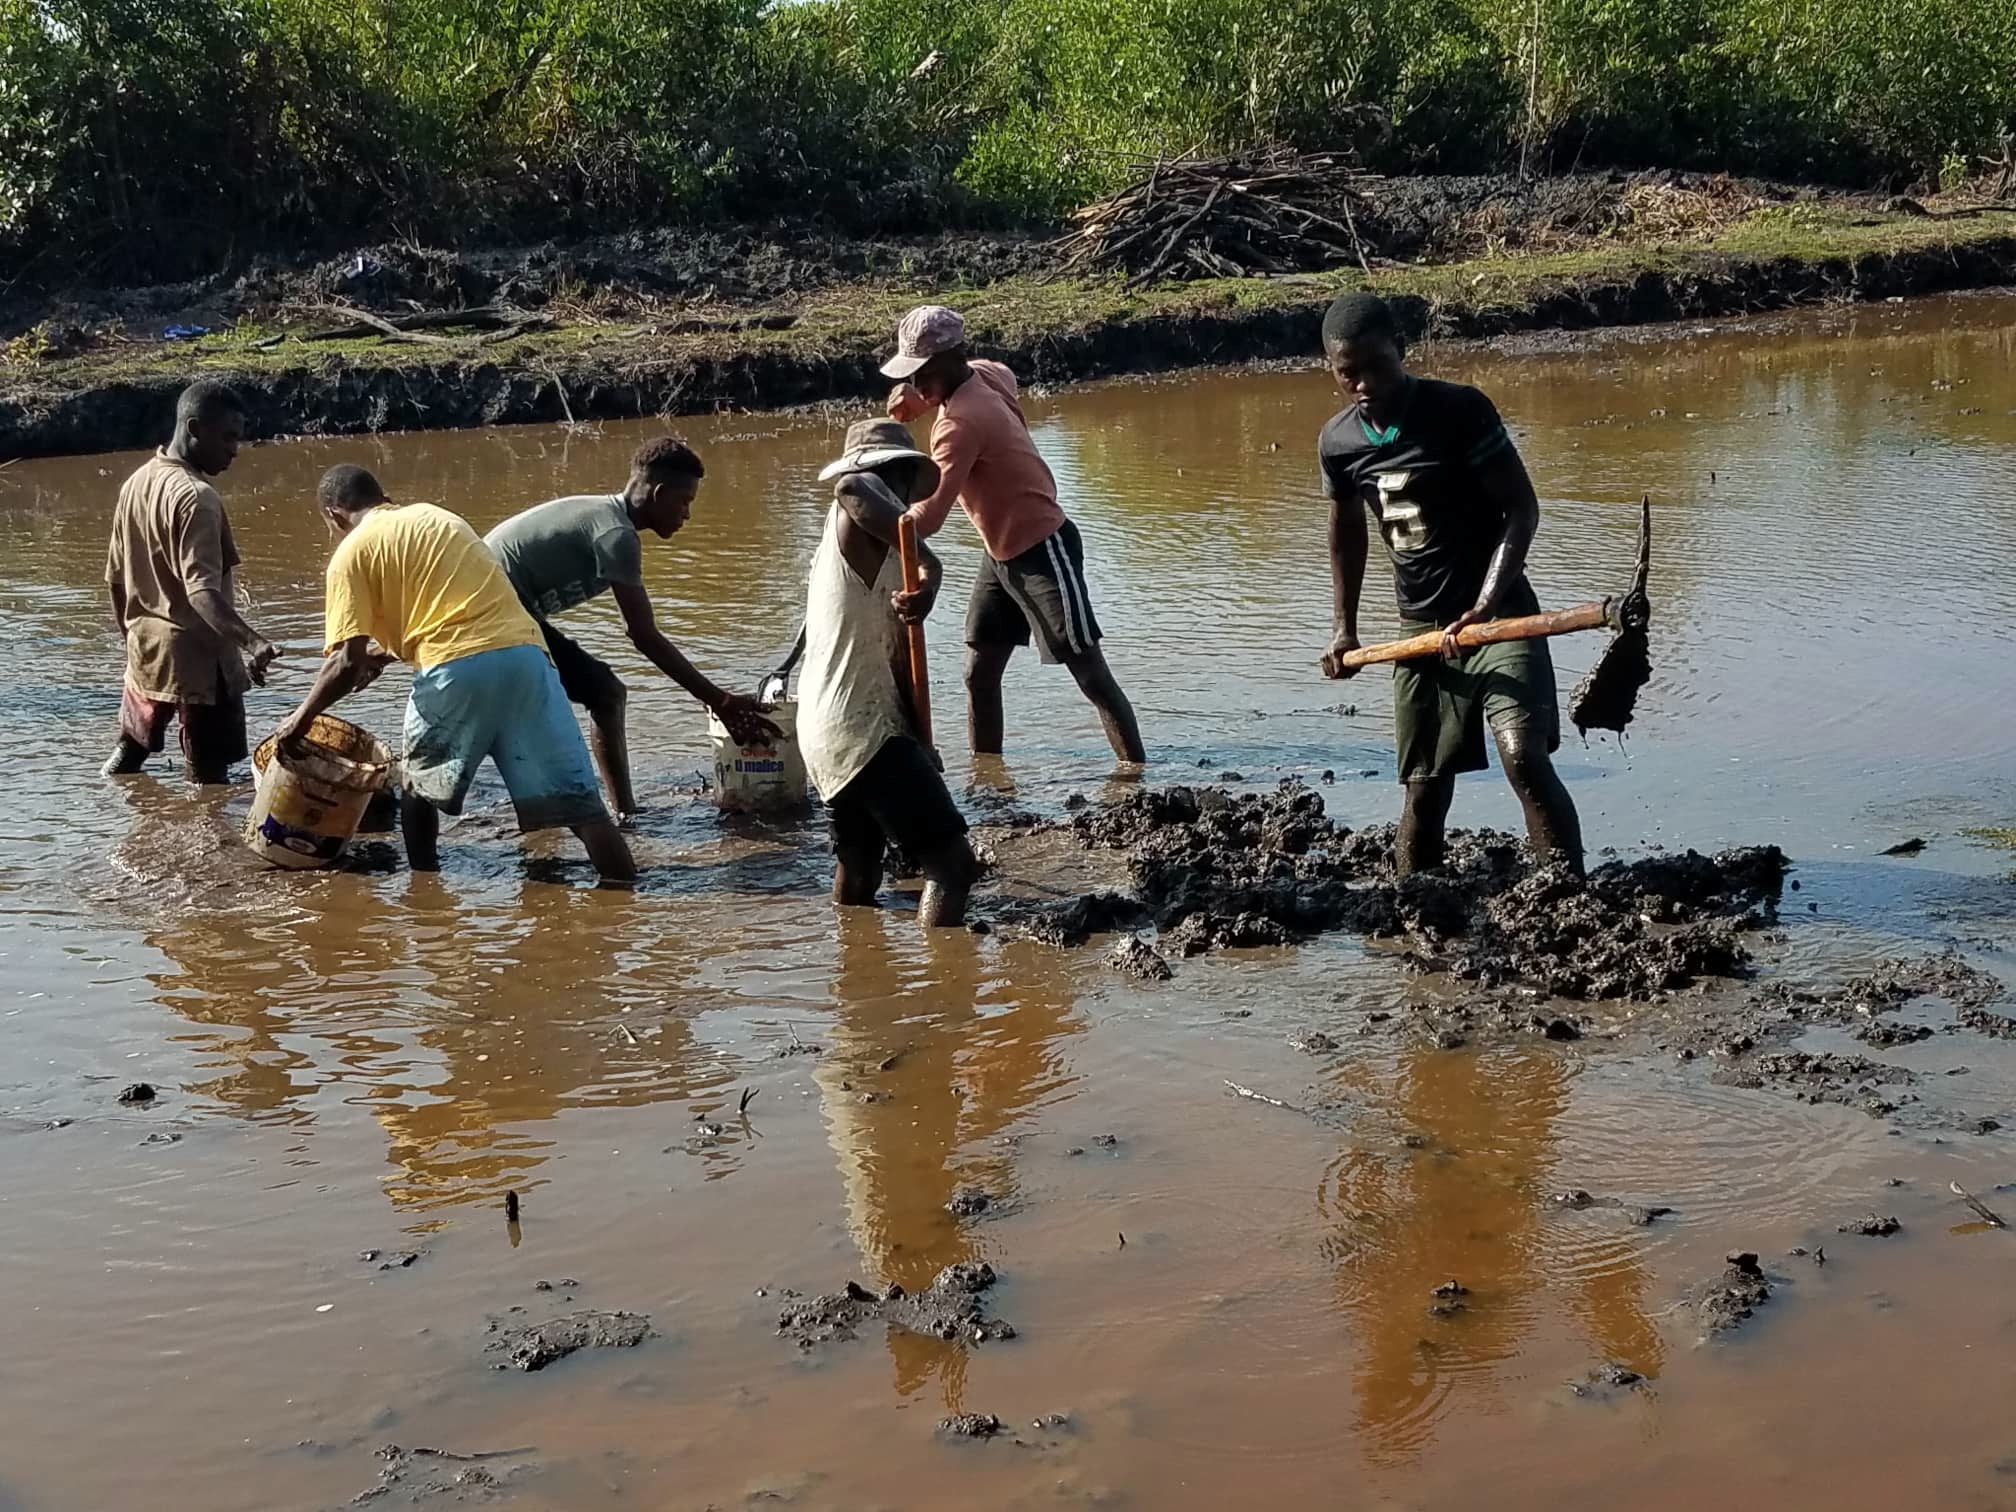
(119, 396)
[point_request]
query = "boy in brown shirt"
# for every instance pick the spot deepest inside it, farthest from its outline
(190, 655)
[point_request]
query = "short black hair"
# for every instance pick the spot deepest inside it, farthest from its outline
(205, 400)
(1358, 317)
(348, 487)
(668, 456)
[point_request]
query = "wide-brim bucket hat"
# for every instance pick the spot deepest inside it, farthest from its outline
(874, 443)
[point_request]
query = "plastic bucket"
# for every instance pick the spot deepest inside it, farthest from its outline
(767, 775)
(305, 810)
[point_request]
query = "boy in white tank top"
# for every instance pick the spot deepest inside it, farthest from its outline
(856, 723)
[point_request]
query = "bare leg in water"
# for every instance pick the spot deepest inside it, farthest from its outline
(1553, 829)
(609, 742)
(420, 826)
(609, 851)
(128, 757)
(948, 879)
(984, 668)
(1097, 682)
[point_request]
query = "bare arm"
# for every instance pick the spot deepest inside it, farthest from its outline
(221, 617)
(876, 512)
(352, 665)
(738, 712)
(955, 449)
(201, 562)
(118, 591)
(1506, 485)
(1347, 580)
(772, 687)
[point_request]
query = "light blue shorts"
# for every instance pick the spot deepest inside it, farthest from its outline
(506, 705)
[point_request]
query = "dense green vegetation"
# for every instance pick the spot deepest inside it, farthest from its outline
(159, 137)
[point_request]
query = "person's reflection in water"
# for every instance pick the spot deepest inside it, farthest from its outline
(1461, 1201)
(523, 1037)
(457, 1027)
(970, 1046)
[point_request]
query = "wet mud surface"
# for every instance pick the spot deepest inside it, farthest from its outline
(534, 1346)
(951, 1308)
(430, 1477)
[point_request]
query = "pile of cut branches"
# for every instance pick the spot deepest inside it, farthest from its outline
(1272, 210)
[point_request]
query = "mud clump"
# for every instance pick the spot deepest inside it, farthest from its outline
(1892, 984)
(950, 1308)
(139, 1095)
(1732, 1297)
(1638, 1215)
(535, 1346)
(1887, 1036)
(1607, 1379)
(1853, 1081)
(1871, 1227)
(969, 1202)
(1135, 957)
(1214, 870)
(1069, 925)
(970, 1425)
(424, 1475)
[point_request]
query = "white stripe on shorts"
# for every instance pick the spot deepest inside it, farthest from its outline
(1060, 564)
(1084, 602)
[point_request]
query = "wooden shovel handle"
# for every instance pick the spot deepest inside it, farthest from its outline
(1526, 627)
(920, 676)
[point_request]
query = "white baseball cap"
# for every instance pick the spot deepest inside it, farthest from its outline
(923, 334)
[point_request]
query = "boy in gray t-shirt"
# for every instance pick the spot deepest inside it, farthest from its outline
(560, 554)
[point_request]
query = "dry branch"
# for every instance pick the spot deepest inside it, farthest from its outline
(1271, 211)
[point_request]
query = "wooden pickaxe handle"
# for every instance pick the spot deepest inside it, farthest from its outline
(1592, 616)
(920, 675)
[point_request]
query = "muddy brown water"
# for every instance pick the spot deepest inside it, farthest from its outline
(357, 1063)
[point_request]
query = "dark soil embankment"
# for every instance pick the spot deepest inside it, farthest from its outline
(675, 323)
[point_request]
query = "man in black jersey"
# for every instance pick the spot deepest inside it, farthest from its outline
(1433, 466)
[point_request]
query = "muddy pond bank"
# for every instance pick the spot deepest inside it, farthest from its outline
(768, 334)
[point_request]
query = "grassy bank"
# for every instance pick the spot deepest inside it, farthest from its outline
(119, 394)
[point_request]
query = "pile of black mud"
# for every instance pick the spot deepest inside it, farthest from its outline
(1210, 869)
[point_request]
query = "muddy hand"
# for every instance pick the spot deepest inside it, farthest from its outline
(1341, 645)
(913, 608)
(260, 659)
(744, 720)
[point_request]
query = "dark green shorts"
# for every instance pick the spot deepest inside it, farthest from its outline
(1440, 708)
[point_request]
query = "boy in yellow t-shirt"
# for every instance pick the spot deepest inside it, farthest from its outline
(420, 582)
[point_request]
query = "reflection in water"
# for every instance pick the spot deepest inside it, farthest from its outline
(1460, 1198)
(967, 1055)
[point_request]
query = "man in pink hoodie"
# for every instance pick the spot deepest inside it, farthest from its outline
(1032, 579)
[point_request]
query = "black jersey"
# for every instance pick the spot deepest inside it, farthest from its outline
(1418, 478)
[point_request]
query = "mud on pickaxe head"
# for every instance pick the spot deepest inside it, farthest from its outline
(1607, 697)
